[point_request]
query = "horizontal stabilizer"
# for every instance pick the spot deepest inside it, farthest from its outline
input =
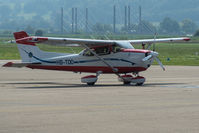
(19, 65)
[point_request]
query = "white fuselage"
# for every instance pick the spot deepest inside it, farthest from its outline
(124, 61)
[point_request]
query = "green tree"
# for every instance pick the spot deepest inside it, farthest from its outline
(196, 33)
(169, 26)
(39, 33)
(188, 26)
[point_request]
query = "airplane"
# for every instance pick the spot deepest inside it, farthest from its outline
(117, 57)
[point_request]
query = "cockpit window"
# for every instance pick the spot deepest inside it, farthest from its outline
(116, 49)
(87, 53)
(99, 51)
(102, 50)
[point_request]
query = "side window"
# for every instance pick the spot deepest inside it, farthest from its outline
(98, 51)
(87, 53)
(116, 49)
(102, 51)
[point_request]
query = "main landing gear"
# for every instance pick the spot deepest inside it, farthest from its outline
(126, 79)
(135, 79)
(91, 79)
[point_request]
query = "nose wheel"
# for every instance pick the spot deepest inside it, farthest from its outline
(91, 84)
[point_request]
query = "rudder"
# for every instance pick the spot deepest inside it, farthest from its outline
(20, 35)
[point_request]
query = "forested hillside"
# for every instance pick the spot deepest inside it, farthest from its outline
(18, 14)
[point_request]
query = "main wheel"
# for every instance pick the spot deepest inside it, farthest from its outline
(126, 82)
(139, 84)
(91, 84)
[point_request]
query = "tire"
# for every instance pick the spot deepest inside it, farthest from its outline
(139, 84)
(126, 83)
(91, 84)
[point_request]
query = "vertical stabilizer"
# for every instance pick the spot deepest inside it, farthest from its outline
(28, 50)
(20, 35)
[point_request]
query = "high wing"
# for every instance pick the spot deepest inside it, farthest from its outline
(94, 42)
(74, 42)
(162, 40)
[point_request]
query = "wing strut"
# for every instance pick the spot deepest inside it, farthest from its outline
(115, 70)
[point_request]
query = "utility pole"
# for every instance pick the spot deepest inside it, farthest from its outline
(140, 14)
(129, 17)
(125, 18)
(114, 18)
(62, 20)
(72, 20)
(140, 19)
(75, 20)
(86, 26)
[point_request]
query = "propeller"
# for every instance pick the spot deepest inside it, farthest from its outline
(153, 55)
(147, 58)
(160, 63)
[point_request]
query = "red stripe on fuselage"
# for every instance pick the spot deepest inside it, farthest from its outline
(90, 69)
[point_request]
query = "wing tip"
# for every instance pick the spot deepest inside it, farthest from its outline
(187, 39)
(9, 64)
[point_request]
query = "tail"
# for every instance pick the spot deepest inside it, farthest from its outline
(28, 50)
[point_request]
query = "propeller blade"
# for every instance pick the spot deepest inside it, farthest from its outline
(160, 63)
(147, 58)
